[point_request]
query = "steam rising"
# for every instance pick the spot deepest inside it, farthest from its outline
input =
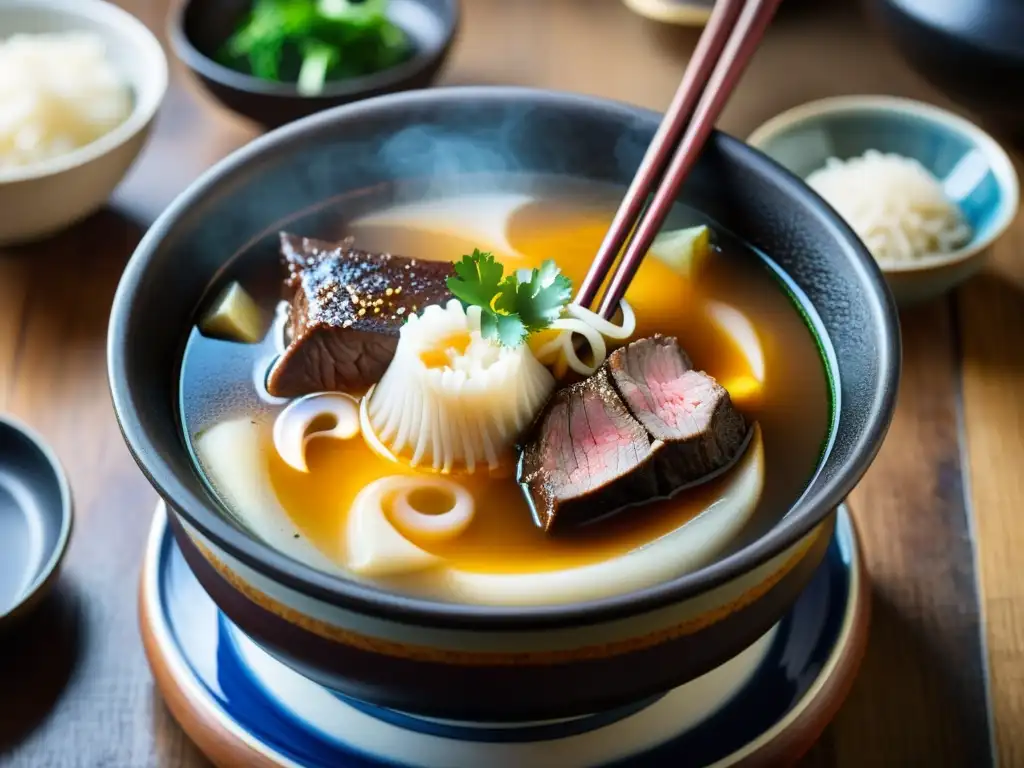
(502, 140)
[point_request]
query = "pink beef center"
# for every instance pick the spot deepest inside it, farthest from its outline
(675, 400)
(593, 447)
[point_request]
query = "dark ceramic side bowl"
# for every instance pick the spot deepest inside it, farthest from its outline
(471, 661)
(972, 52)
(35, 519)
(198, 28)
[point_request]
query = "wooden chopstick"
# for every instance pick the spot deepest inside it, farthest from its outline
(732, 36)
(659, 152)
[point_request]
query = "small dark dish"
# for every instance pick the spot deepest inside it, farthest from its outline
(198, 29)
(35, 519)
(469, 661)
(972, 52)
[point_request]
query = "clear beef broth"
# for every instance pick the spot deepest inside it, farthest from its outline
(549, 218)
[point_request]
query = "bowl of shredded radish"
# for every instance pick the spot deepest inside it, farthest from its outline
(80, 83)
(927, 191)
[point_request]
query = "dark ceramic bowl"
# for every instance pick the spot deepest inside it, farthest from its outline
(972, 52)
(472, 661)
(198, 28)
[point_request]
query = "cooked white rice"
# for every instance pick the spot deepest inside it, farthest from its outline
(896, 206)
(57, 93)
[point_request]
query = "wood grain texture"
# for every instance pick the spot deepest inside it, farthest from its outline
(920, 697)
(75, 690)
(991, 311)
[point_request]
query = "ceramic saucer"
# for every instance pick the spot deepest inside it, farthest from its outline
(242, 707)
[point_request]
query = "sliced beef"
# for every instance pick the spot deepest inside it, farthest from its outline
(586, 454)
(347, 306)
(642, 428)
(686, 410)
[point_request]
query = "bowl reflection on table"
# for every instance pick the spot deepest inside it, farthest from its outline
(489, 662)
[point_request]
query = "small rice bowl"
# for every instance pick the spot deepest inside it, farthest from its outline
(894, 204)
(58, 93)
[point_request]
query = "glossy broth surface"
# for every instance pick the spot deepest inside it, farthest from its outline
(737, 302)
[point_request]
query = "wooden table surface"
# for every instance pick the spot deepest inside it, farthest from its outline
(942, 683)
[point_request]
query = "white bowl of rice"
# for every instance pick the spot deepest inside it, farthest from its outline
(927, 191)
(80, 84)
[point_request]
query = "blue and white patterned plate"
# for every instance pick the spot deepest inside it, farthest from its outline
(771, 700)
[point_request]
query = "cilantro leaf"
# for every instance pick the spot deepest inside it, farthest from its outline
(477, 279)
(507, 330)
(540, 300)
(511, 307)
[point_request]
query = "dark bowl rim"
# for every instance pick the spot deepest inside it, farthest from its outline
(210, 69)
(44, 578)
(806, 513)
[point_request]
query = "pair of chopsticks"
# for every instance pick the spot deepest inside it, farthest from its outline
(730, 38)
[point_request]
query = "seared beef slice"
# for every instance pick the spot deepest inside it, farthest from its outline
(642, 428)
(347, 306)
(687, 411)
(586, 455)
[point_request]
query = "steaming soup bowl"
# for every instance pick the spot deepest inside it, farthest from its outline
(479, 662)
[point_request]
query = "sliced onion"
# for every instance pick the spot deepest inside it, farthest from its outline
(606, 327)
(560, 352)
(260, 375)
(383, 545)
(292, 426)
(279, 325)
(423, 526)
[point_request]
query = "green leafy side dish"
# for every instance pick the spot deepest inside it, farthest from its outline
(313, 42)
(512, 306)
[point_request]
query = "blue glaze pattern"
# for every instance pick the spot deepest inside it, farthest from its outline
(231, 675)
(499, 735)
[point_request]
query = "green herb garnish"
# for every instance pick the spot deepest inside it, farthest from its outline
(511, 308)
(310, 42)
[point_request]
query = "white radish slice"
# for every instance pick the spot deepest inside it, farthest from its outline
(741, 330)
